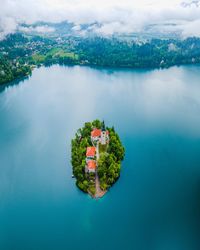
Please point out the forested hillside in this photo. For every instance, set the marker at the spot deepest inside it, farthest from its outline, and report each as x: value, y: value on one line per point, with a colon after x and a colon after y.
x: 19, y: 54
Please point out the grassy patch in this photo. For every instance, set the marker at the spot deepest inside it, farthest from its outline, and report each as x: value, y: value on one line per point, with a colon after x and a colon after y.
x: 38, y: 58
x: 102, y: 148
x: 58, y: 52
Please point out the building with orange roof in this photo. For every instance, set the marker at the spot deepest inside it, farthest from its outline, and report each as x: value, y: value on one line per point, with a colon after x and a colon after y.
x: 100, y: 135
x: 91, y: 166
x: 91, y: 151
x: 96, y: 133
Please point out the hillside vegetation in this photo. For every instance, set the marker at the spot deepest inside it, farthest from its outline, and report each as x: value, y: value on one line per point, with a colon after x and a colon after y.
x: 19, y: 54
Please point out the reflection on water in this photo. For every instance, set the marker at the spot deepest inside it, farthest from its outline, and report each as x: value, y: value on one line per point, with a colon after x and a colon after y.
x: 155, y: 203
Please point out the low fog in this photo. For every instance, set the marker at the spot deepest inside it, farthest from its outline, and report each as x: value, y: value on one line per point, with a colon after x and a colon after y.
x: 113, y: 16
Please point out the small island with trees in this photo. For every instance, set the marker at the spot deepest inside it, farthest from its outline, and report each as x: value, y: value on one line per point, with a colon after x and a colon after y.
x: 97, y: 153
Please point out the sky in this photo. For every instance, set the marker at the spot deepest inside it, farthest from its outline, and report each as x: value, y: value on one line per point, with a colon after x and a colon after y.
x: 122, y: 16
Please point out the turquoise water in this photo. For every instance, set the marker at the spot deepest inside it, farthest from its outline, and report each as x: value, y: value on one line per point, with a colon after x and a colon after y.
x: 155, y: 205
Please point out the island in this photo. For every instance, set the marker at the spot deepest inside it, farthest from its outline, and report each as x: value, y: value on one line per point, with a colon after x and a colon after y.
x: 96, y: 155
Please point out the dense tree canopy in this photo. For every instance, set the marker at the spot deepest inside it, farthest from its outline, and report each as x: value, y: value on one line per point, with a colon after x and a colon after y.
x: 109, y: 164
x: 19, y: 54
x: 10, y: 71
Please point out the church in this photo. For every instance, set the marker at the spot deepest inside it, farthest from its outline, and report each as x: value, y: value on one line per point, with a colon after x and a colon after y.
x: 100, y: 135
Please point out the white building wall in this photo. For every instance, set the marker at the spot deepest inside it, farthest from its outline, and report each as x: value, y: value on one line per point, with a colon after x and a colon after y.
x: 103, y: 137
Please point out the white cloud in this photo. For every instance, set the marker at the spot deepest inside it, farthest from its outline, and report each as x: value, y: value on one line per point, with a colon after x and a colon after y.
x: 37, y: 29
x: 114, y: 15
x: 192, y: 28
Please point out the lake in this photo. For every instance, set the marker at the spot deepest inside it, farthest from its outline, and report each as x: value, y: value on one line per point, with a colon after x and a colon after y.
x: 155, y: 205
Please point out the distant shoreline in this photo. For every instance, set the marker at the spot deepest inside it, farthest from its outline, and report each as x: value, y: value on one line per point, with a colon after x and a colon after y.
x: 19, y: 79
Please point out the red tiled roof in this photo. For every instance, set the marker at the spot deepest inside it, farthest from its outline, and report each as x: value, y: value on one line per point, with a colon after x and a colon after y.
x: 90, y: 151
x: 96, y: 132
x: 107, y: 132
x: 91, y: 164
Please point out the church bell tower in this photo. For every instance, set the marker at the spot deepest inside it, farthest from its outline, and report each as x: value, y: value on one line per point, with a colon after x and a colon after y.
x: 103, y: 134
